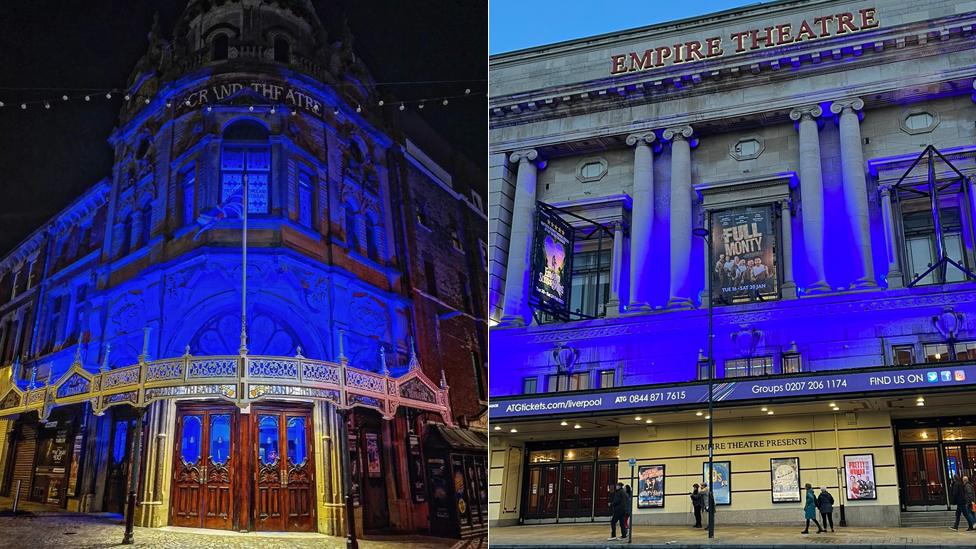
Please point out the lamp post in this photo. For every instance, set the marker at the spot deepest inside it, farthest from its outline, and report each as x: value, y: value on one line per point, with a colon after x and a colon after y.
x: 706, y: 236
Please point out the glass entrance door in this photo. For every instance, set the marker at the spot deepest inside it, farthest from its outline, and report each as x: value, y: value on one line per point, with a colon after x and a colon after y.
x: 960, y: 459
x: 284, y: 491
x: 203, y: 472
x: 541, y: 498
x: 576, y: 492
x: 921, y: 476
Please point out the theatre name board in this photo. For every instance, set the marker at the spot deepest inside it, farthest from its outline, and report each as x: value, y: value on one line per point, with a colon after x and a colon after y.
x: 740, y: 389
x: 677, y: 52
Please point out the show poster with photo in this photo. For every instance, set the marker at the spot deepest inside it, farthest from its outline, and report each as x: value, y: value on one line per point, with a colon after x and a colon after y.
x: 650, y: 486
x: 373, y: 465
x: 859, y: 470
x: 744, y: 254
x: 552, y: 262
x: 721, y: 484
x: 786, y: 479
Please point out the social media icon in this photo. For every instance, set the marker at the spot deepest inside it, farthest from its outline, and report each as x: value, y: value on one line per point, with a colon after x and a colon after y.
x: 960, y: 375
x: 933, y: 377
x: 946, y: 375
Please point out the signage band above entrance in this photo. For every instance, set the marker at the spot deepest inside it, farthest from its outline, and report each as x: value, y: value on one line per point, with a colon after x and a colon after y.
x: 822, y: 384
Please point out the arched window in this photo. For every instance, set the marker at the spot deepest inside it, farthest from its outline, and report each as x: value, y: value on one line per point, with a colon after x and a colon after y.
x: 352, y: 239
x: 282, y: 50
x: 372, y: 251
x: 220, y: 47
x: 245, y: 153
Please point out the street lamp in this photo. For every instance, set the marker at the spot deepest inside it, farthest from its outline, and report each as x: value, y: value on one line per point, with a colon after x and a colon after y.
x: 703, y: 233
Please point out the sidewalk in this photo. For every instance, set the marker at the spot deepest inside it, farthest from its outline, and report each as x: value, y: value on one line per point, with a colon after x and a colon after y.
x: 728, y: 537
x: 46, y: 526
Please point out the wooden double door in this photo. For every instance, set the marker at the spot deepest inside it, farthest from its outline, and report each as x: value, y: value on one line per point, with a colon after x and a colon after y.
x: 237, y: 471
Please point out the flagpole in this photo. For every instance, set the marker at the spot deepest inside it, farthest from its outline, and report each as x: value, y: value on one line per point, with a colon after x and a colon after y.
x: 243, y: 349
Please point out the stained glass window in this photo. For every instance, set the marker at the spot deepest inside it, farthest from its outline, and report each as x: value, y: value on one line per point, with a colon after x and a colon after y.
x: 190, y: 444
x: 219, y: 439
x: 296, y: 440
x: 268, y: 439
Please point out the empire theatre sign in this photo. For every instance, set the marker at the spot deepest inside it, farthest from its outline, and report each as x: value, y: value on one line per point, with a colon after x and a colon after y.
x: 746, y: 40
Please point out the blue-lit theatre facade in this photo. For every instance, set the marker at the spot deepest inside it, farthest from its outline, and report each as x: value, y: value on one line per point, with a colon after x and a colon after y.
x: 130, y: 299
x: 815, y: 160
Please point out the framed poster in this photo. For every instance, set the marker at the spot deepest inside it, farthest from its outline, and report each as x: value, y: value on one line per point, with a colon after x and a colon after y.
x: 650, y: 486
x: 785, y: 474
x: 721, y: 485
x: 552, y: 262
x: 373, y: 466
x: 416, y: 467
x: 859, y: 472
x: 743, y: 254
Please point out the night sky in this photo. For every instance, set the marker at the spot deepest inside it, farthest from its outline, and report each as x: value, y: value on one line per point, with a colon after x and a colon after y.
x: 49, y: 157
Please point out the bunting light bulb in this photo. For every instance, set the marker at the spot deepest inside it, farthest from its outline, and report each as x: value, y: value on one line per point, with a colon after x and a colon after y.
x: 87, y: 98
x: 64, y: 97
x: 108, y: 95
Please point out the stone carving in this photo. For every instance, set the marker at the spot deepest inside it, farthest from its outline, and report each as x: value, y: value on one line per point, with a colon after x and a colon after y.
x: 416, y: 390
x: 747, y: 340
x: 565, y: 357
x: 12, y: 400
x: 163, y: 370
x: 949, y: 323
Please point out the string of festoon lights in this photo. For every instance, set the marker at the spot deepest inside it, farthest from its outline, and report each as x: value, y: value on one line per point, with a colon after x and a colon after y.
x: 62, y: 96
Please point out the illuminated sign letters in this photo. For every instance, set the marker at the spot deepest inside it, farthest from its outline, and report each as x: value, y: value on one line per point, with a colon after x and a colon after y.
x: 746, y: 40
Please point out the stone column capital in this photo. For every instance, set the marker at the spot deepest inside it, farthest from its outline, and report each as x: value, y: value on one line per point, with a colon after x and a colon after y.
x: 677, y: 133
x: 884, y: 190
x: 855, y: 104
x: 811, y: 112
x: 641, y: 138
x: 524, y: 155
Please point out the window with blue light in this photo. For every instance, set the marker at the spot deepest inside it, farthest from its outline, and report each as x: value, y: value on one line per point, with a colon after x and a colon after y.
x: 219, y: 439
x: 268, y: 439
x: 118, y: 443
x: 189, y: 181
x: 305, y: 199
x: 190, y: 440
x: 920, y: 241
x: 296, y: 440
x: 371, y: 249
x: 245, y: 153
x: 352, y: 237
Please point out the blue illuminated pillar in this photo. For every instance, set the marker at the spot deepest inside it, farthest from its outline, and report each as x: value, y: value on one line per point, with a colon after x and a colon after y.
x: 520, y: 240
x: 811, y: 194
x: 680, y: 215
x: 895, y: 278
x: 641, y: 222
x: 855, y: 187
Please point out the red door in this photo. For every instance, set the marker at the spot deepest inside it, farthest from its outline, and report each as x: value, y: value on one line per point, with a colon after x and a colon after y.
x: 203, y: 472
x: 284, y: 479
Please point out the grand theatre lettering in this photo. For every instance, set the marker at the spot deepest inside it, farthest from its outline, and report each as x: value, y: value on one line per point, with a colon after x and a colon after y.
x: 746, y: 40
x: 273, y: 93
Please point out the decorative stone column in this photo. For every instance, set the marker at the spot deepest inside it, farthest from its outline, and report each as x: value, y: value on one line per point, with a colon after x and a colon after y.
x: 786, y: 223
x: 641, y: 222
x: 855, y: 187
x: 616, y: 266
x: 811, y: 194
x: 136, y: 237
x: 680, y: 215
x: 895, y: 277
x: 519, y: 266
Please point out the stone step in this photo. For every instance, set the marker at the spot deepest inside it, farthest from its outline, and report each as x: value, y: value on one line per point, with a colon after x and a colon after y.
x: 928, y: 519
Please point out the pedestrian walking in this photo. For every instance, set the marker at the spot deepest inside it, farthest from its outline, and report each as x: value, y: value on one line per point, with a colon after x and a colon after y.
x: 969, y: 497
x: 696, y: 504
x: 708, y: 502
x: 630, y: 506
x: 810, y: 510
x: 618, y: 512
x: 825, y: 502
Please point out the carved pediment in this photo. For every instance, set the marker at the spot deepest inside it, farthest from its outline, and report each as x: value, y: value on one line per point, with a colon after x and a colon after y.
x: 415, y: 389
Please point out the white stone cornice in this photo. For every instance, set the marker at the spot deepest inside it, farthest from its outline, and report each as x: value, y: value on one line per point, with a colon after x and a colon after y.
x: 524, y: 155
x: 854, y: 103
x: 677, y: 132
x: 642, y: 138
x: 811, y: 111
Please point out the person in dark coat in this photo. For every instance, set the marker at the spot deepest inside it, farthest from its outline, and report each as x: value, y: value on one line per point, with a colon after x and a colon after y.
x: 696, y: 504
x: 825, y: 502
x: 630, y: 507
x: 708, y: 500
x: 962, y: 495
x: 810, y: 510
x: 618, y: 510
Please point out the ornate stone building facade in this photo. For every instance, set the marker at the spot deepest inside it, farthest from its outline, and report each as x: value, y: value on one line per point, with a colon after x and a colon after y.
x: 131, y: 299
x: 782, y: 192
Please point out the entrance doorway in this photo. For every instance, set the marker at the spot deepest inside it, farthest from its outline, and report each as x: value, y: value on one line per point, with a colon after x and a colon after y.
x: 570, y: 481
x: 234, y: 471
x: 203, y: 472
x: 930, y: 453
x: 123, y: 421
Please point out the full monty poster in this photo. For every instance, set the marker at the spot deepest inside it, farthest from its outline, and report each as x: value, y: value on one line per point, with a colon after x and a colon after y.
x: 743, y: 254
x: 650, y: 486
x: 552, y: 262
x: 785, y: 473
x: 721, y: 484
x: 859, y: 471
